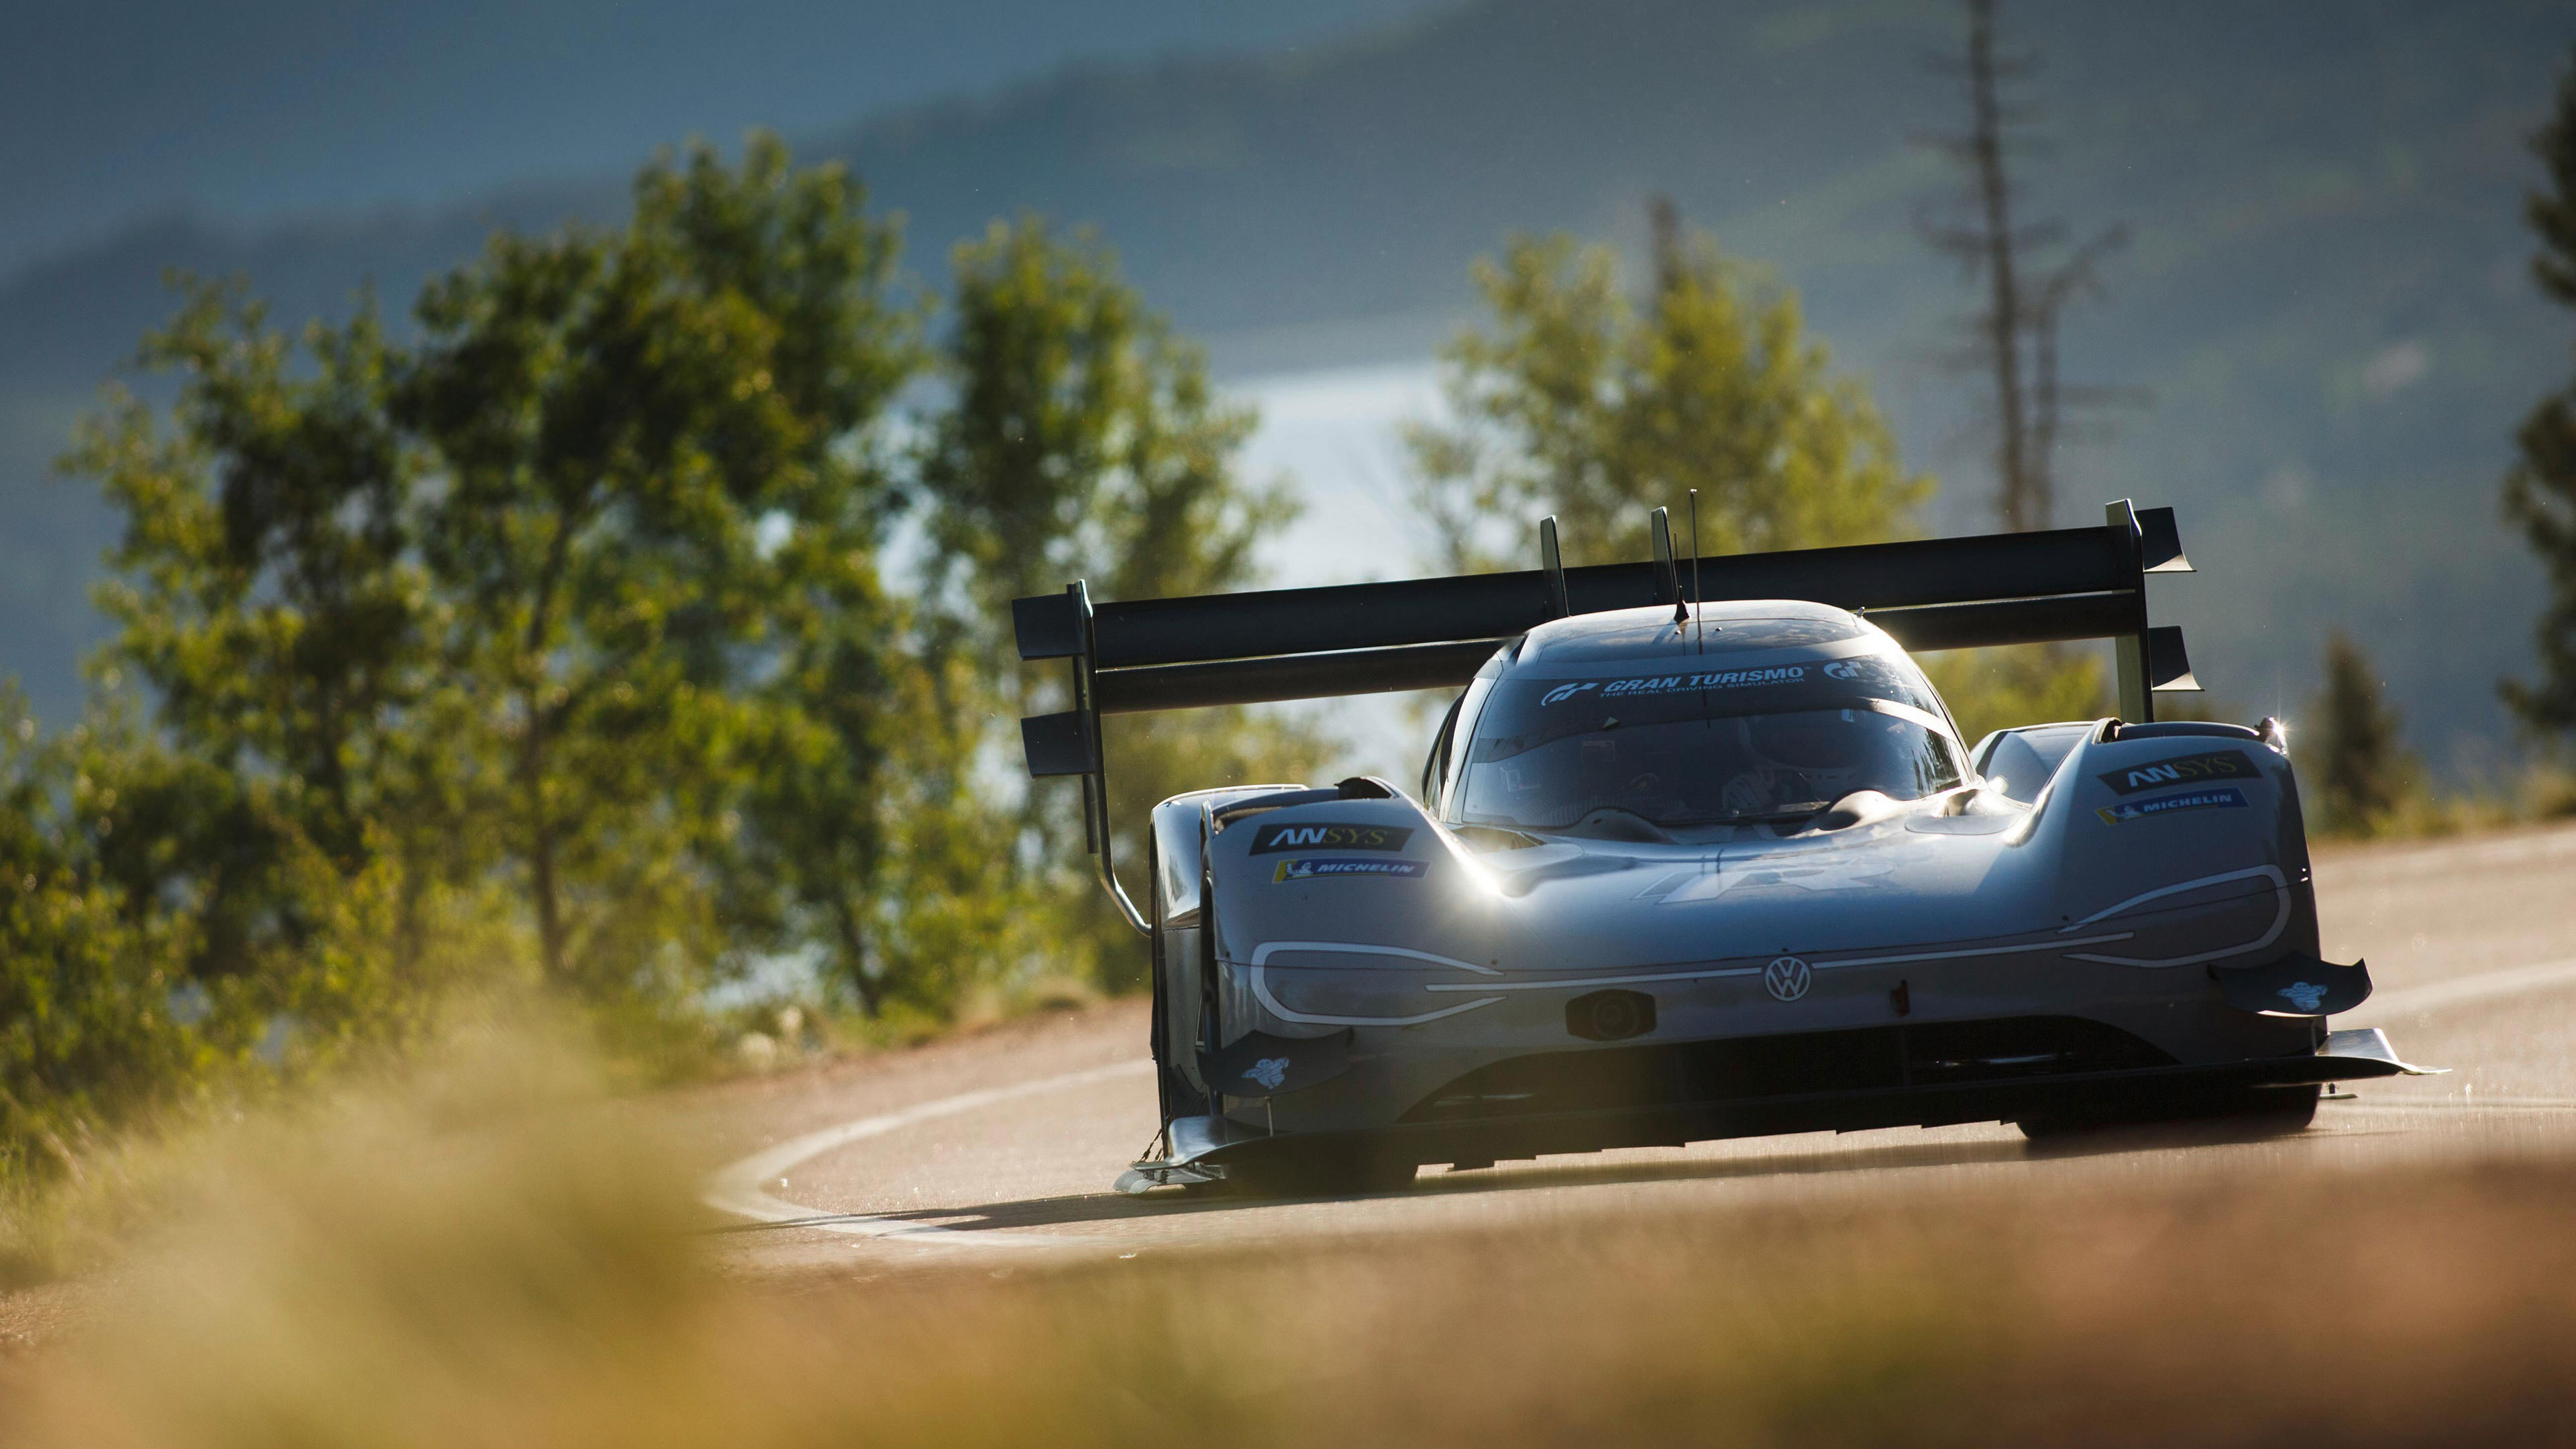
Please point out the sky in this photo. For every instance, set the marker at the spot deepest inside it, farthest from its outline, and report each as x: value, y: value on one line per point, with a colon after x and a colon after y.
x: 247, y: 111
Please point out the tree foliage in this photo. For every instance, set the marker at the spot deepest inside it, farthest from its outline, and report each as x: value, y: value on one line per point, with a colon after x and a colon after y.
x: 572, y: 591
x: 2540, y: 491
x: 547, y: 639
x: 82, y: 982
x: 1086, y: 442
x: 647, y: 510
x: 2362, y: 771
x: 1582, y: 402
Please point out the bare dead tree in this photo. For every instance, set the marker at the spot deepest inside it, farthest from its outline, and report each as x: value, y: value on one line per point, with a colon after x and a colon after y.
x: 2078, y: 278
x: 1664, y: 226
x: 2015, y: 336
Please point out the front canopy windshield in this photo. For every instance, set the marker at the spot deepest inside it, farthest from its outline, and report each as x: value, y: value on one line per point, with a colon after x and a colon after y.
x: 1704, y: 747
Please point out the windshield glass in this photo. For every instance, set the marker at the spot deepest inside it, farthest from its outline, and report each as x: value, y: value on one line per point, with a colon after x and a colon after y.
x: 1704, y: 747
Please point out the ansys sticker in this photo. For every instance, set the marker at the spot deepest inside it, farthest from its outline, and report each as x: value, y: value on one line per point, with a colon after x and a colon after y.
x: 1325, y: 835
x: 2182, y: 770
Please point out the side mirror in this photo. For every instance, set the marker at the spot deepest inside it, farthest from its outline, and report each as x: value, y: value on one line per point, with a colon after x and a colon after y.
x: 2274, y: 733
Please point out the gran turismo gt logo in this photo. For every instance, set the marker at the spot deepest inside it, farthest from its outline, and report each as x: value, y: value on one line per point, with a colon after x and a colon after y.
x: 1787, y: 978
x: 1269, y: 1072
x: 2305, y: 995
x: 1656, y: 685
x: 1842, y: 669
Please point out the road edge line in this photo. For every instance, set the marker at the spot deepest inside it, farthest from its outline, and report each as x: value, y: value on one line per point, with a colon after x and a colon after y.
x: 741, y: 1188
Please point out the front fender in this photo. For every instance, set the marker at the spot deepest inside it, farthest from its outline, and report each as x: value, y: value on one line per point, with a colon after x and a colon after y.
x: 2201, y: 828
x: 1182, y: 996
x: 1320, y: 905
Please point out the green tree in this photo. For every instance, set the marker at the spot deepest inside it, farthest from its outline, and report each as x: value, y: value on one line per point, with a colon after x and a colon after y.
x: 267, y: 593
x: 646, y: 497
x: 112, y: 1003
x: 2540, y: 492
x: 1581, y: 402
x: 1085, y: 441
x: 557, y: 618
x: 851, y: 799
x: 1993, y: 689
x: 83, y: 1029
x: 2362, y: 771
x: 576, y: 593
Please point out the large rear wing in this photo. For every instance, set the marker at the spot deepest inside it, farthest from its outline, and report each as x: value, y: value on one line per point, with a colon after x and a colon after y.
x: 1947, y: 593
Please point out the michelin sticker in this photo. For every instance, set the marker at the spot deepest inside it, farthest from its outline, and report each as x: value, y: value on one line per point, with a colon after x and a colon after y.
x: 1332, y: 869
x: 2305, y: 995
x: 2224, y: 798
x: 1269, y: 1072
x: 1660, y: 684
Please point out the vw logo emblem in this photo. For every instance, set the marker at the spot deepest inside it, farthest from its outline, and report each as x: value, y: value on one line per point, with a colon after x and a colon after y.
x: 1787, y: 978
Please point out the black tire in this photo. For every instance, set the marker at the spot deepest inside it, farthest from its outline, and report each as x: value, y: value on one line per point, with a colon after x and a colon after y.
x: 1177, y: 1097
x: 1317, y: 1174
x: 2241, y: 1116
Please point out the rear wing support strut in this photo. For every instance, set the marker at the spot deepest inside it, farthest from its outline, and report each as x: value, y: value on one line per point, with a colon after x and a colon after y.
x: 1069, y: 743
x: 2150, y: 661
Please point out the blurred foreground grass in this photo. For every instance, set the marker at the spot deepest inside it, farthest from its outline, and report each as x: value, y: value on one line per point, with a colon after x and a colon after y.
x: 490, y: 1253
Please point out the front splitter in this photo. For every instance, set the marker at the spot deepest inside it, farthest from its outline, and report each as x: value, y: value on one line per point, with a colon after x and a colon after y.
x: 1202, y: 1147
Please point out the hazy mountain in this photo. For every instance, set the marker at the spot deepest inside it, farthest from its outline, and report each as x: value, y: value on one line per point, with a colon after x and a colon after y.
x: 2325, y: 303
x: 252, y: 108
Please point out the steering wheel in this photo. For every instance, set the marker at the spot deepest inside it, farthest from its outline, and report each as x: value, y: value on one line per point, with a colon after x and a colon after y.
x: 1624, y: 824
x: 1750, y: 793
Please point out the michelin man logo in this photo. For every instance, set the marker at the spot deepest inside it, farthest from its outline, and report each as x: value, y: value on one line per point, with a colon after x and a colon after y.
x: 1564, y: 692
x: 2303, y: 995
x: 1269, y: 1072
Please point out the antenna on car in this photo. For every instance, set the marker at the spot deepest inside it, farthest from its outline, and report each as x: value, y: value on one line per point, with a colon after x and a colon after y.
x: 1699, y: 629
x: 1552, y: 564
x: 1667, y: 583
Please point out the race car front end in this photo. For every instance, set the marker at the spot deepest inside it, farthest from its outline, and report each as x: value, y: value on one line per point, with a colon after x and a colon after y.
x: 1458, y: 1004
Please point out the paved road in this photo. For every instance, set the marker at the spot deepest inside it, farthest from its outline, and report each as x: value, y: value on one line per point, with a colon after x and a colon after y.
x: 1005, y: 1144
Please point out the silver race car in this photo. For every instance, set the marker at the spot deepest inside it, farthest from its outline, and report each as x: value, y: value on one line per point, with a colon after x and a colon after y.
x: 1699, y: 853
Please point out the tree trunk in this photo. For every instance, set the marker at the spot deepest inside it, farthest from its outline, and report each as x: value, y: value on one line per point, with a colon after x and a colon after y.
x: 854, y: 950
x: 2015, y: 502
x: 542, y: 841
x: 532, y: 756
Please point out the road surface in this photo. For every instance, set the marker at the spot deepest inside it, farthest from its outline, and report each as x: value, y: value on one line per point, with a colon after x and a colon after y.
x: 1002, y: 1146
